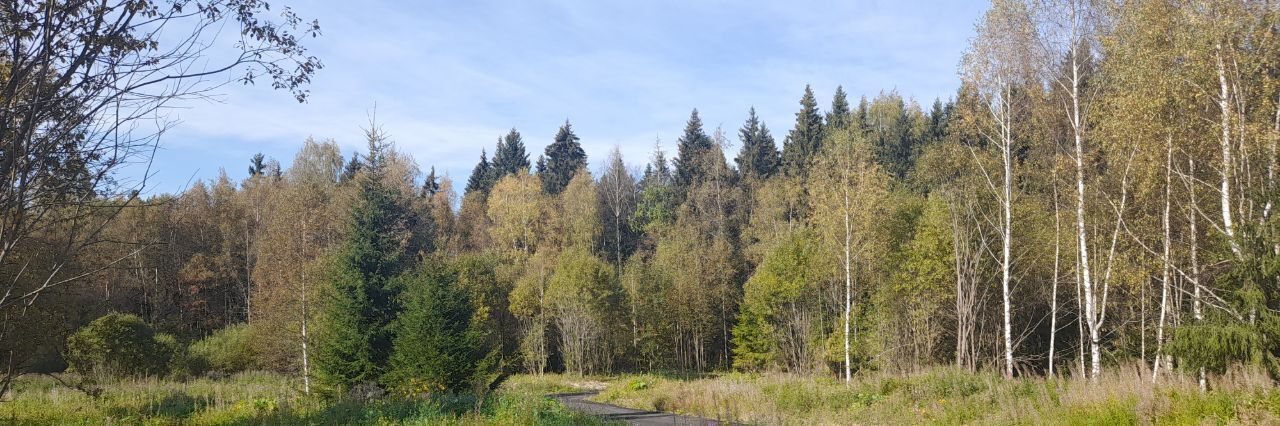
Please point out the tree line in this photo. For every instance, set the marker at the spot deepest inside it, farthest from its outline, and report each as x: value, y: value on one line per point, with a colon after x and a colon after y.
x: 1100, y: 190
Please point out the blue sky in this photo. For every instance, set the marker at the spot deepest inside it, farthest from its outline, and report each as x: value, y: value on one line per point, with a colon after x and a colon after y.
x: 449, y: 77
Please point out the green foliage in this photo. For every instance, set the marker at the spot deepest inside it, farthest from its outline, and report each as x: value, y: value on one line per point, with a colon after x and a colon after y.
x: 353, y: 340
x: 805, y: 140
x: 229, y: 350
x: 563, y: 158
x: 483, y: 176
x: 257, y: 399
x: 437, y: 346
x: 119, y: 345
x: 782, y: 284
x: 510, y: 157
x: 691, y: 146
x: 759, y: 156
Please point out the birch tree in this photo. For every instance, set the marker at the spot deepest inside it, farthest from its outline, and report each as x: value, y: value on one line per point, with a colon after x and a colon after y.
x: 996, y: 67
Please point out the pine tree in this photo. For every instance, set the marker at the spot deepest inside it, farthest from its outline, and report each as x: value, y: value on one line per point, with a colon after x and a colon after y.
x: 482, y: 176
x: 563, y: 158
x: 759, y: 156
x: 354, y: 339
x: 840, y: 114
x: 510, y: 157
x: 690, y: 148
x: 805, y: 139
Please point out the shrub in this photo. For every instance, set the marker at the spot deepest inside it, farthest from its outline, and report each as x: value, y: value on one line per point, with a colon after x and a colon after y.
x: 227, y: 351
x: 117, y: 345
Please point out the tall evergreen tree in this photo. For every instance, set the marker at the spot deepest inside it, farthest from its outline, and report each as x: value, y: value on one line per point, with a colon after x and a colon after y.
x: 563, y: 158
x: 354, y: 339
x: 257, y: 166
x: 482, y: 176
x: 690, y: 147
x: 430, y: 185
x: 510, y: 157
x: 352, y: 169
x: 840, y: 115
x: 759, y: 156
x: 805, y: 139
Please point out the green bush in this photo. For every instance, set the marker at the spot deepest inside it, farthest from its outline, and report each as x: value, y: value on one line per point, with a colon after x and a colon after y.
x: 229, y: 350
x: 118, y: 345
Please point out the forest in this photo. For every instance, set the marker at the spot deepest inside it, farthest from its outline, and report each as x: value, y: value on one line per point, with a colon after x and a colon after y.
x: 1098, y: 193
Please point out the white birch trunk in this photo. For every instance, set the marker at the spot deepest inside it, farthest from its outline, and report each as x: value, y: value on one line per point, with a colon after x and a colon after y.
x: 1224, y: 105
x: 848, y: 283
x: 1165, y: 273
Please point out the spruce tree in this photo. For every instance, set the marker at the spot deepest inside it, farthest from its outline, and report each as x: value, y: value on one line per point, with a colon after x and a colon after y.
x: 759, y: 156
x: 689, y: 150
x: 482, y: 176
x: 354, y: 340
x: 840, y: 115
x: 430, y: 185
x: 352, y: 168
x: 257, y: 167
x: 510, y: 157
x: 563, y: 158
x: 437, y: 344
x: 805, y: 140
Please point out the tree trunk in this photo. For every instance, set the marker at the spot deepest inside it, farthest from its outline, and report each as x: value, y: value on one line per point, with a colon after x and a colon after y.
x: 1165, y: 273
x: 1227, y: 161
x: 848, y: 285
x: 1057, y: 254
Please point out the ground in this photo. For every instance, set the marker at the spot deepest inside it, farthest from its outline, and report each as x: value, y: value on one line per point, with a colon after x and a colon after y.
x: 935, y: 396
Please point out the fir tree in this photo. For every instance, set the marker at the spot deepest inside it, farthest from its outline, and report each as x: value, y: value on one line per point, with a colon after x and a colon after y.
x: 430, y: 185
x: 510, y: 157
x: 352, y: 169
x: 256, y: 165
x: 354, y: 340
x: 482, y: 176
x: 563, y: 158
x: 690, y: 148
x: 805, y: 140
x: 437, y: 345
x: 840, y: 115
x: 759, y: 156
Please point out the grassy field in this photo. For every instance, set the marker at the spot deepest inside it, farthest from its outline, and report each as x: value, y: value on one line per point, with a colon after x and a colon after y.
x: 259, y: 398
x: 938, y: 396
x: 943, y: 396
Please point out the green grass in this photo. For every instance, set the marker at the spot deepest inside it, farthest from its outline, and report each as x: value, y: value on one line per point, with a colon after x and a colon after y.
x: 947, y: 396
x: 260, y: 398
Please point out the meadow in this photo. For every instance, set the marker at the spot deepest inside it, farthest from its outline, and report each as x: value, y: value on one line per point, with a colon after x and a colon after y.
x: 263, y: 398
x: 1122, y: 396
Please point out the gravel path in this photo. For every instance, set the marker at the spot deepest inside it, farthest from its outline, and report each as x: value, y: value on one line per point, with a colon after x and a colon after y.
x: 578, y: 402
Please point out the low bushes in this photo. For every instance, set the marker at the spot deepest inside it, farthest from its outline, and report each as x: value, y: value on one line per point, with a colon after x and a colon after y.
x: 118, y: 345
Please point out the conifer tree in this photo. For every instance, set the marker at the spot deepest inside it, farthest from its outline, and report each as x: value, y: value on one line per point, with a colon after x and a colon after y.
x: 430, y: 185
x: 482, y: 176
x: 805, y: 139
x: 510, y: 157
x: 759, y: 156
x: 840, y: 114
x: 352, y: 168
x: 354, y: 339
x: 256, y: 165
x: 690, y: 147
x: 563, y: 158
x: 437, y: 346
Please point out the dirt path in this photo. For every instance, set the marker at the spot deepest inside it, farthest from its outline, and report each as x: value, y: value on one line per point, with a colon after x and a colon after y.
x: 578, y: 402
